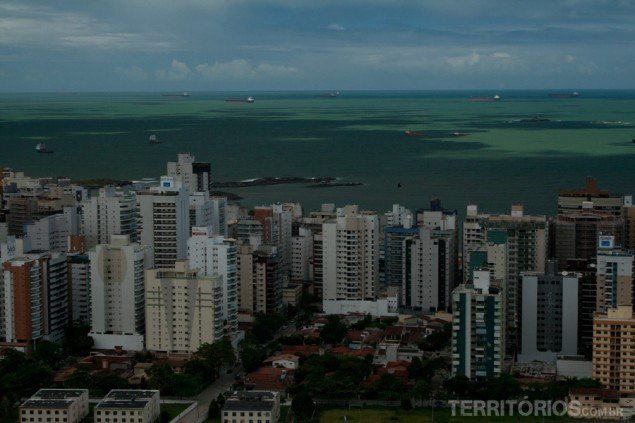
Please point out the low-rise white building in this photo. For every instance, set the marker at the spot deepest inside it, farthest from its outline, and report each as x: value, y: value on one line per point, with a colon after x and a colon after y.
x: 127, y: 406
x: 55, y: 406
x: 252, y: 406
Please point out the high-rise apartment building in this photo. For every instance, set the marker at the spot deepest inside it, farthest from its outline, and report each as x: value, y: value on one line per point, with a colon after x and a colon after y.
x: 260, y: 279
x: 183, y: 309
x: 350, y: 249
x: 164, y: 221
x: 111, y: 212
x: 477, y: 333
x: 394, y: 251
x: 549, y: 324
x: 215, y: 255
x: 399, y: 216
x: 512, y: 244
x: 195, y: 176
x: 431, y: 277
x: 48, y: 234
x: 276, y: 229
x: 35, y: 295
x: 628, y: 216
x: 589, y: 199
x: 117, y: 293
x: 575, y: 235
x: 79, y: 286
x: 614, y: 276
x: 614, y: 349
x: 301, y: 254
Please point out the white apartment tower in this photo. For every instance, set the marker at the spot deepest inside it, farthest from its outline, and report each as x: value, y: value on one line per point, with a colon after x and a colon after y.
x: 215, y: 255
x: 48, y: 234
x: 195, y: 176
x: 182, y: 309
x: 112, y: 212
x: 301, y: 254
x: 164, y: 221
x: 431, y: 278
x: 399, y: 216
x: 117, y: 293
x: 350, y: 248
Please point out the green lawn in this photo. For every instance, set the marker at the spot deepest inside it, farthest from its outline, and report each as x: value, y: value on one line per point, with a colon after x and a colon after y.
x: 414, y: 416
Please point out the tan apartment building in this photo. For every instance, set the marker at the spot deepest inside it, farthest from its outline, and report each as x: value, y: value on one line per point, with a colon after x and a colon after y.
x: 614, y: 349
x: 182, y: 306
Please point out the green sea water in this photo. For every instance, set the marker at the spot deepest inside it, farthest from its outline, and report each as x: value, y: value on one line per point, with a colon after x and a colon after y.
x: 358, y: 137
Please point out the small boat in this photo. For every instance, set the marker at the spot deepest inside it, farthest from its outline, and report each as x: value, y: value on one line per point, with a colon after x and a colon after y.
x: 459, y: 134
x: 41, y: 148
x: 413, y: 133
x: 153, y: 139
x: 633, y: 140
x: 249, y: 100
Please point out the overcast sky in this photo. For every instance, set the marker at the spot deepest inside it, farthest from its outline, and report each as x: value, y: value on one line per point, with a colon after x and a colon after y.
x: 123, y: 45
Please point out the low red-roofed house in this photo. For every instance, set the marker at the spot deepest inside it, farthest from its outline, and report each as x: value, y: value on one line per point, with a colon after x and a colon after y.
x: 305, y: 350
x: 270, y: 379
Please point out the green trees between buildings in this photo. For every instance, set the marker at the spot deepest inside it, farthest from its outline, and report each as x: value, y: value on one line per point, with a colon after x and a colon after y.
x: 200, y: 371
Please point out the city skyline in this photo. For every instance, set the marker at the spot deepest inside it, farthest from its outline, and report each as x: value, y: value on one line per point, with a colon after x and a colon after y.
x: 283, y: 45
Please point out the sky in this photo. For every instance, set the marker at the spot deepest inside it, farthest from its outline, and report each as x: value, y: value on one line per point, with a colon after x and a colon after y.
x: 221, y: 45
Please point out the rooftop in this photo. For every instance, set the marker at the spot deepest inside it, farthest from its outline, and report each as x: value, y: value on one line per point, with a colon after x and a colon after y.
x: 130, y: 394
x: 59, y: 393
x: 47, y: 403
x: 134, y: 404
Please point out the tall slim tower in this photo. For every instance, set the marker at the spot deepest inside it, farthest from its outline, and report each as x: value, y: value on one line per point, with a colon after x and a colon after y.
x: 164, y: 221
x: 350, y: 249
x: 117, y: 293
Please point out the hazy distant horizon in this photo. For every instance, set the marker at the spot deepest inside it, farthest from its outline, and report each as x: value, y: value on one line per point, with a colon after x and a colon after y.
x: 343, y: 91
x: 248, y: 45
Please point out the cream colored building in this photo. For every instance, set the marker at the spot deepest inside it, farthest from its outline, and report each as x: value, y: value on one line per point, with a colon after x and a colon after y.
x: 252, y: 407
x: 182, y: 307
x: 350, y: 245
x: 127, y: 406
x: 614, y: 349
x: 117, y: 302
x: 55, y: 406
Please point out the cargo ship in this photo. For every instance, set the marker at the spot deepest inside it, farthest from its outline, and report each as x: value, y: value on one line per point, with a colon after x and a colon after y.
x: 485, y: 99
x: 183, y: 94
x: 564, y: 95
x: 249, y: 100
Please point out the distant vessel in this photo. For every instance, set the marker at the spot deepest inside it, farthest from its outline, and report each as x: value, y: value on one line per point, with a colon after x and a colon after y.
x: 333, y: 94
x: 485, y: 99
x: 459, y: 134
x: 249, y: 100
x: 564, y: 95
x: 536, y: 119
x: 153, y: 139
x: 413, y: 133
x: 41, y: 148
x: 183, y: 94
